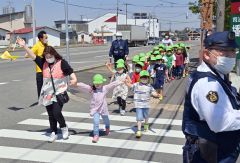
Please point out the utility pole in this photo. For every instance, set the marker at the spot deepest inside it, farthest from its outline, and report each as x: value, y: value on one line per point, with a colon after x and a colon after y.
x: 66, y: 30
x: 81, y: 17
x: 149, y: 21
x: 34, y: 22
x: 117, y: 15
x: 220, y: 15
x: 126, y: 11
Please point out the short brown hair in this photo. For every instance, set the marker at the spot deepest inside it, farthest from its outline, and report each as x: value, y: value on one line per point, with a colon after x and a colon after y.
x: 52, y: 51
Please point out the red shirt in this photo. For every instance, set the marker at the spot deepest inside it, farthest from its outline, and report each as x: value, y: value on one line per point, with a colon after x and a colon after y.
x: 135, y: 77
x: 145, y: 65
x: 179, y: 59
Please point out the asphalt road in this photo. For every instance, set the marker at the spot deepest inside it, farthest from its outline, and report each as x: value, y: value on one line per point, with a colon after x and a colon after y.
x: 23, y: 127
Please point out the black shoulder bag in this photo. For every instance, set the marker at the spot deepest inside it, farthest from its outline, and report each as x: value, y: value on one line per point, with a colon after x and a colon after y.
x: 62, y: 98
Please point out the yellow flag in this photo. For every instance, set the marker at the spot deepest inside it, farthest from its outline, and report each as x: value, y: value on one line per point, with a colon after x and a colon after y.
x: 7, y: 55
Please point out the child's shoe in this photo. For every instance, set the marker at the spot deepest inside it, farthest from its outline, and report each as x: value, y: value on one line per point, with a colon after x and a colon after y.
x: 138, y: 134
x: 107, y: 131
x: 95, y: 139
x: 172, y: 78
x: 146, y: 127
x: 184, y: 76
x: 52, y: 137
x: 122, y: 112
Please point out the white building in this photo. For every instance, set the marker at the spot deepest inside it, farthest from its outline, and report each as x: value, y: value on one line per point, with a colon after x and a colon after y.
x: 108, y: 23
x: 27, y: 35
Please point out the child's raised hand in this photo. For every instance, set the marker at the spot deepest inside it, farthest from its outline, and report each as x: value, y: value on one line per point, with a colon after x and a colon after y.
x: 20, y: 42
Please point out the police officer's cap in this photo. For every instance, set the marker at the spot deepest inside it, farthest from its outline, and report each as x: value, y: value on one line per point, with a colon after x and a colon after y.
x: 224, y: 39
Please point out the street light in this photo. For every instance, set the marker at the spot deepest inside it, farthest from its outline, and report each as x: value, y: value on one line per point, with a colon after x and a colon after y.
x: 34, y: 22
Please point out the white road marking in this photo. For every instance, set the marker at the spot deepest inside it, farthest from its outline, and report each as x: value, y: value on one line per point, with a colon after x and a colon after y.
x: 125, y: 118
x: 104, y: 142
x: 118, y: 129
x: 3, y: 83
x: 58, y: 156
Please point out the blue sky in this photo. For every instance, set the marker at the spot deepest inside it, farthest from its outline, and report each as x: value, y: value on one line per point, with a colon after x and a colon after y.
x: 47, y: 11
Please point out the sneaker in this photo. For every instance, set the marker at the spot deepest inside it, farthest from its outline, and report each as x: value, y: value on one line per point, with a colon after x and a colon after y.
x: 184, y: 76
x: 52, y: 137
x: 161, y: 98
x: 95, y: 139
x: 138, y: 134
x: 65, y: 133
x: 172, y: 78
x: 146, y: 127
x: 122, y: 112
x: 107, y: 131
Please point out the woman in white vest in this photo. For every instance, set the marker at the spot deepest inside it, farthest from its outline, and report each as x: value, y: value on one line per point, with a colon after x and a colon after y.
x: 53, y: 93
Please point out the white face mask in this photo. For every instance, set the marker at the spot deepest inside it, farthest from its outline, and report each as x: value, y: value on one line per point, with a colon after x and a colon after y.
x: 51, y: 60
x: 144, y: 81
x: 45, y: 41
x: 119, y: 38
x: 225, y: 64
x: 138, y: 70
x: 120, y: 71
x: 166, y: 37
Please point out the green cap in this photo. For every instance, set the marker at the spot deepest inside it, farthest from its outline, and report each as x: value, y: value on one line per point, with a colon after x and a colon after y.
x: 161, y: 49
x: 169, y: 49
x: 155, y: 48
x: 161, y: 46
x: 144, y: 73
x: 158, y: 57
x: 120, y: 65
x: 156, y: 53
x: 98, y: 79
x: 136, y: 58
x: 140, y: 63
x: 142, y: 59
x: 182, y: 45
x: 120, y: 61
x: 175, y: 46
x: 148, y: 53
x: 153, y: 58
x: 142, y: 55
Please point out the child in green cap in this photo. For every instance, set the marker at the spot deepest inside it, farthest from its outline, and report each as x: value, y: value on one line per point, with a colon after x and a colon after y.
x: 120, y: 92
x: 136, y: 74
x: 170, y: 62
x: 142, y: 92
x: 98, y: 104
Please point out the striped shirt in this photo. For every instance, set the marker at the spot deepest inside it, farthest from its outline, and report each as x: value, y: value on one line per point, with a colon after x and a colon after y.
x: 142, y: 94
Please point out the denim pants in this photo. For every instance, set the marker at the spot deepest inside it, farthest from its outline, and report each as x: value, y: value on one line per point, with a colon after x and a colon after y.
x: 96, y: 121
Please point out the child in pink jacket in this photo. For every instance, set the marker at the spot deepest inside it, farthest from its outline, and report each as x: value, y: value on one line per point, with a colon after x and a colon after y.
x: 98, y: 104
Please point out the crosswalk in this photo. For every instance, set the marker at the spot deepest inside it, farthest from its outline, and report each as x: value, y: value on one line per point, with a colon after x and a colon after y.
x: 120, y: 146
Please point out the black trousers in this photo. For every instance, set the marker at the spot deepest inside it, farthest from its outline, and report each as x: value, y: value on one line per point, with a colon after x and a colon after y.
x: 55, y: 115
x: 39, y: 79
x: 121, y: 102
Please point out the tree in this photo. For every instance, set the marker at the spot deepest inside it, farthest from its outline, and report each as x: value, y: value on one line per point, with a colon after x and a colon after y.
x: 194, y: 7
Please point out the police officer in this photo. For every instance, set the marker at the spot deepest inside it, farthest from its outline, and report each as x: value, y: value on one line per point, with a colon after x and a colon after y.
x: 211, y: 117
x: 119, y: 49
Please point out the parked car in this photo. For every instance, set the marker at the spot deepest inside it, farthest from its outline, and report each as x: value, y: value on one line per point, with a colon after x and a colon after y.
x: 153, y: 41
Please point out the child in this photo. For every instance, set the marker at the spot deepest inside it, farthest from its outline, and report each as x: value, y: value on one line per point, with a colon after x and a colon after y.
x: 98, y: 104
x: 150, y: 68
x: 170, y: 62
x: 179, y: 62
x: 160, y: 70
x: 186, y: 61
x: 142, y: 91
x: 120, y: 92
x: 136, y: 74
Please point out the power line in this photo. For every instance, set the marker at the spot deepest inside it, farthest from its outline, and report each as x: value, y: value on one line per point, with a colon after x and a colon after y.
x: 169, y: 2
x: 87, y: 7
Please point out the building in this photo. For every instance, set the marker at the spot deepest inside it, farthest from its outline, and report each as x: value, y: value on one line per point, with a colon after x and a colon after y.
x: 104, y: 27
x: 12, y: 20
x: 27, y: 35
x: 4, y: 42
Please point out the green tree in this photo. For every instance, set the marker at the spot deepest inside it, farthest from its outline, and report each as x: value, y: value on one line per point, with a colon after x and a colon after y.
x: 194, y: 7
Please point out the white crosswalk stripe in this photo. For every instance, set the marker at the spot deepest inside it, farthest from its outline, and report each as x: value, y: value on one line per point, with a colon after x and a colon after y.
x: 27, y: 153
x: 124, y: 119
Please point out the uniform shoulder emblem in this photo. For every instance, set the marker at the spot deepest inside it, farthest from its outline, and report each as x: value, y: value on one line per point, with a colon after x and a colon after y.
x: 212, y: 96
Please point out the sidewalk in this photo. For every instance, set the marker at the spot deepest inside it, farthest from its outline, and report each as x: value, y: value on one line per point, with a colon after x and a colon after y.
x: 235, y: 79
